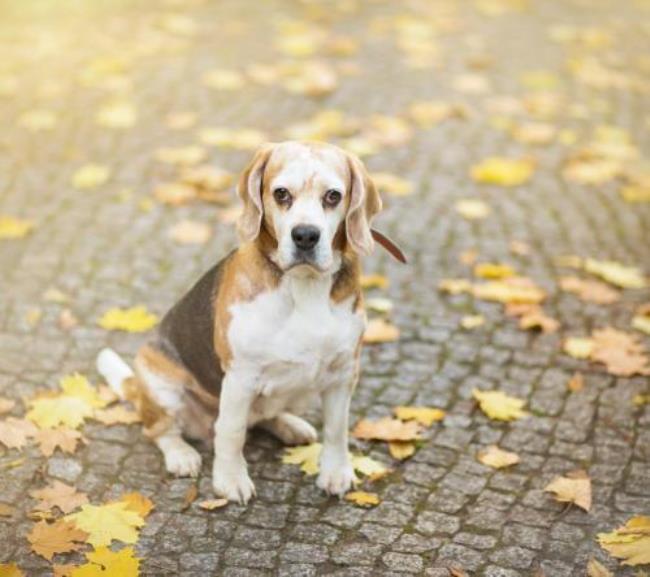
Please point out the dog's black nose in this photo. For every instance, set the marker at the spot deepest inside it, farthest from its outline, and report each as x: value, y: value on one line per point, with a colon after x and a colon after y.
x: 305, y: 236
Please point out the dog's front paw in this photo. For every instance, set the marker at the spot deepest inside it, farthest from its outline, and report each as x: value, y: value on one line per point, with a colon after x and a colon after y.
x: 336, y: 480
x: 232, y: 482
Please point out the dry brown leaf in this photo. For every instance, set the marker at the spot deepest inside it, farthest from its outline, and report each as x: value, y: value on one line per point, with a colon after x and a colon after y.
x: 589, y: 291
x: 380, y: 331
x: 138, y: 503
x: 119, y: 415
x: 576, y: 383
x: 574, y: 488
x: 6, y: 405
x: 212, y: 504
x: 387, y: 429
x: 620, y: 352
x: 61, y: 536
x: 497, y: 458
x: 401, y: 450
x: 174, y: 193
x: 62, y: 437
x: 190, y: 496
x: 58, y: 494
x: 15, y: 432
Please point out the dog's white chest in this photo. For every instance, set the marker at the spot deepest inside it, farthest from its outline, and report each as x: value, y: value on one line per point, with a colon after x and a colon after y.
x: 293, y: 341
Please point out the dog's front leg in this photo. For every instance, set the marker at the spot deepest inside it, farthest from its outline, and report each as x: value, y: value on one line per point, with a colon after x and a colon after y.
x: 230, y: 473
x: 336, y: 473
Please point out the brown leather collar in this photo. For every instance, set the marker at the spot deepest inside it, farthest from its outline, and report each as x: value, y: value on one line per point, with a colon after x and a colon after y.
x: 389, y: 245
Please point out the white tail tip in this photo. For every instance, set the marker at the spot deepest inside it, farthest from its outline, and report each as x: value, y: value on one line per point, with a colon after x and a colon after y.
x: 111, y: 366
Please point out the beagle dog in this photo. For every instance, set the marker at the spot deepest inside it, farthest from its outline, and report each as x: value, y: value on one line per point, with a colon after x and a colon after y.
x: 274, y: 325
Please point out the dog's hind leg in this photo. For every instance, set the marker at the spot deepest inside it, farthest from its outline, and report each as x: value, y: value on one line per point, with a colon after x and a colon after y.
x: 161, y: 403
x: 290, y: 429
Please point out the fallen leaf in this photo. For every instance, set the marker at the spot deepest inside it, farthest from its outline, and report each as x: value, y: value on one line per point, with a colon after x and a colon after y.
x: 374, y: 281
x: 503, y: 171
x: 401, y: 450
x: 119, y: 415
x: 190, y: 232
x: 499, y: 406
x: 15, y: 432
x: 175, y: 193
x: 212, y: 504
x: 387, y: 429
x: 14, y: 228
x: 472, y: 209
x: 63, y: 438
x: 118, y: 115
x: 576, y: 383
x: 495, y: 271
x: 10, y: 570
x: 103, y: 523
x: 58, y: 494
x: 615, y: 273
x: 426, y: 416
x: 574, y: 488
x: 6, y: 405
x: 138, y: 503
x: 369, y: 467
x: 133, y: 320
x: 640, y: 400
x: 519, y: 248
x: 535, y: 133
x: 362, y: 499
x: 620, y: 352
x: 182, y: 155
x: 392, y: 184
x: 641, y: 319
x: 380, y: 331
x: 631, y: 542
x: 589, y: 291
x: 470, y: 322
x: 578, y: 347
x: 379, y: 305
x: 427, y: 114
x: 596, y: 569
x: 537, y: 319
x: 102, y: 562
x: 190, y: 496
x: 61, y: 536
x: 493, y: 456
x: 510, y: 290
x: 306, y: 456
x: 90, y: 176
x: 455, y: 286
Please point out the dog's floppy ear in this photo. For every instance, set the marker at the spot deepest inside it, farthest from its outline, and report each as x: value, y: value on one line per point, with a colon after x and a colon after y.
x: 365, y: 203
x: 249, y: 190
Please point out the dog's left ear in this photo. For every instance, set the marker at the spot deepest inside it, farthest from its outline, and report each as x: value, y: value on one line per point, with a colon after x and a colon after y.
x: 365, y: 203
x: 249, y: 190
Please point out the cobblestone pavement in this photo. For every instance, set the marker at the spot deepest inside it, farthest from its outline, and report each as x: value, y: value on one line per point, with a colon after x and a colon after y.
x: 109, y: 246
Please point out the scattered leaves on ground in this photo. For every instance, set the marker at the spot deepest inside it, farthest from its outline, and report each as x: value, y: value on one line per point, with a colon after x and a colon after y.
x: 14, y: 433
x: 102, y: 562
x: 58, y: 494
x: 103, y: 523
x: 426, y: 416
x: 387, y: 429
x: 362, y: 499
x: 630, y: 543
x: 49, y: 539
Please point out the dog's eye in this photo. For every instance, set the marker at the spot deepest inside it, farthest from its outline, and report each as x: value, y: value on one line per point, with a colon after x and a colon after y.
x: 282, y: 196
x: 332, y: 198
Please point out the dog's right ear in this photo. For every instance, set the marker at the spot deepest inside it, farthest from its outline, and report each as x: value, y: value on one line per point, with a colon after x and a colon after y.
x: 249, y: 190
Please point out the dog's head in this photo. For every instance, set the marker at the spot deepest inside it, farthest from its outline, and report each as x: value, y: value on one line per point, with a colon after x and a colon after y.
x: 314, y: 200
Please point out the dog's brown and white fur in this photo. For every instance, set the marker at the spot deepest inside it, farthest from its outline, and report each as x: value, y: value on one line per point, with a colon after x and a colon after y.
x: 274, y: 325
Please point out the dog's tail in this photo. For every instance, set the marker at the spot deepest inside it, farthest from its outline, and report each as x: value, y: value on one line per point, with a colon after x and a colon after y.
x: 113, y: 368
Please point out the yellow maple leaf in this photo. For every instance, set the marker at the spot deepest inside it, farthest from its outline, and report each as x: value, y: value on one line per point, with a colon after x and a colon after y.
x: 615, y: 273
x: 362, y: 499
x: 76, y: 402
x: 499, y: 406
x: 133, y: 320
x: 12, y: 227
x: 138, y: 503
x: 90, y: 176
x: 574, y: 488
x: 103, y: 523
x: 497, y: 458
x: 308, y: 456
x: 503, y: 171
x: 103, y: 562
x: 631, y: 543
x: 424, y: 415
